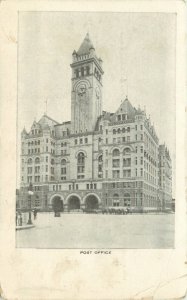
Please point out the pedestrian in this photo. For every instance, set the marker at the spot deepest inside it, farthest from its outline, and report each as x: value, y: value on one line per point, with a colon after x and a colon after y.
x: 35, y: 214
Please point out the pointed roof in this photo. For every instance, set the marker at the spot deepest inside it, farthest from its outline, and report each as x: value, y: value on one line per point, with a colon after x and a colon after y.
x: 126, y: 108
x: 85, y: 46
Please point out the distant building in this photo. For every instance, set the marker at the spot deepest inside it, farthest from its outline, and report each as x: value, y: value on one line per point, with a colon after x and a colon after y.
x: 165, y: 177
x: 98, y: 159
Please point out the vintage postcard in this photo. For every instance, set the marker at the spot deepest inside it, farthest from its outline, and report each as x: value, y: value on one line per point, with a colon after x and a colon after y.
x: 93, y: 123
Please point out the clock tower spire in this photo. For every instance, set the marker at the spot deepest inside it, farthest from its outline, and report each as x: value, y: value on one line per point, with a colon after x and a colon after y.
x: 86, y: 94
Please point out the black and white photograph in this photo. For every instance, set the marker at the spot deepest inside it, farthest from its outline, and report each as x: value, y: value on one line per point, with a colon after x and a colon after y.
x: 96, y: 130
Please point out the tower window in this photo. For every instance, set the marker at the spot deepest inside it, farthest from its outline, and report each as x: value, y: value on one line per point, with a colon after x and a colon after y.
x: 82, y: 71
x: 77, y: 73
x: 87, y: 70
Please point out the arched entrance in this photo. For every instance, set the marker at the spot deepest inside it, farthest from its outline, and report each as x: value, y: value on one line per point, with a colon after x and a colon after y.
x: 91, y: 202
x: 73, y: 203
x: 57, y: 204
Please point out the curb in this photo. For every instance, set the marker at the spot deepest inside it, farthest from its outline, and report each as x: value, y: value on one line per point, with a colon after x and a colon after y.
x: 24, y: 227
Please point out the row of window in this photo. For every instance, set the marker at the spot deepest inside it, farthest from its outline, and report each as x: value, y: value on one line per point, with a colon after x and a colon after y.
x: 135, y: 184
x: 37, y: 160
x: 82, y: 71
x: 81, y: 141
x: 123, y: 130
x: 126, y: 173
x: 36, y: 150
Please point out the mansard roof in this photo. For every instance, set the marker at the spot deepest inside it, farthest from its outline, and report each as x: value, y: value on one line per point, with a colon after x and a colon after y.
x: 125, y: 108
x: 85, y: 46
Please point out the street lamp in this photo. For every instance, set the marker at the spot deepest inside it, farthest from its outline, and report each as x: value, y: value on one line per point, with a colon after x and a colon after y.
x: 30, y: 193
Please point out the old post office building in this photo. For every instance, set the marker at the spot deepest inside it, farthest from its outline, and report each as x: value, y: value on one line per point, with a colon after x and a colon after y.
x: 98, y: 159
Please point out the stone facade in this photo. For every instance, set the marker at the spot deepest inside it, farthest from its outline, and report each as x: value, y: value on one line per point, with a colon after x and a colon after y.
x: 98, y: 159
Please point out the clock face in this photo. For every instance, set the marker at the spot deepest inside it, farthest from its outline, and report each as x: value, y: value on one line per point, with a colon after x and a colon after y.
x: 81, y: 89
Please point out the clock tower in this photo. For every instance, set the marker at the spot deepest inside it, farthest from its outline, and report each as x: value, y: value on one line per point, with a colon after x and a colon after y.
x: 86, y: 94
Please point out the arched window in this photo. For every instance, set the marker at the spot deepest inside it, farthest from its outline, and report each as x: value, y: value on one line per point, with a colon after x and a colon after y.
x: 119, y: 130
x: 115, y: 200
x: 35, y: 142
x: 115, y: 152
x: 30, y: 161
x: 63, y: 162
x: 123, y: 130
x: 52, y: 161
x: 28, y: 143
x: 80, y: 165
x: 37, y: 160
x: 126, y: 151
x: 114, y: 131
x: 128, y: 129
x: 100, y: 166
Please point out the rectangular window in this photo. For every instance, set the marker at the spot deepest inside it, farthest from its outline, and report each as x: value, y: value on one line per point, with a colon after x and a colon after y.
x: 86, y: 140
x: 80, y: 141
x: 75, y: 141
x: 115, y: 163
x: 77, y: 187
x: 87, y: 186
x: 116, y: 173
x: 106, y: 174
x: 141, y: 137
x: 63, y: 170
x: 95, y: 186
x: 106, y: 131
x: 114, y: 140
x: 80, y: 169
x: 135, y: 127
x: 119, y: 140
x: 123, y: 139
x: 126, y: 162
x: 119, y: 117
x: 126, y: 173
x: 46, y: 168
x: 106, y: 141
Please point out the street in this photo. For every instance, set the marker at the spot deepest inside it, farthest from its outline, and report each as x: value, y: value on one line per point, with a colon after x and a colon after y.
x: 99, y: 231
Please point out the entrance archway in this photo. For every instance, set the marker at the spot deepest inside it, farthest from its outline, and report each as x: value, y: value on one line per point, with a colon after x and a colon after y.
x: 57, y: 204
x: 73, y: 203
x: 91, y: 202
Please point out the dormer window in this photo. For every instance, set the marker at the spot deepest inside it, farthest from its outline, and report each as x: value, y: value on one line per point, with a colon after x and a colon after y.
x: 124, y: 116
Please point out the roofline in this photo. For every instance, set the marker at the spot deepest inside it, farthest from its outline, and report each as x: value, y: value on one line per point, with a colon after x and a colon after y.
x: 49, y: 119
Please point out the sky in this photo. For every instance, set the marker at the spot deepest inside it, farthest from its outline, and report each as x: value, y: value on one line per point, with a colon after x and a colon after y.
x: 136, y: 46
